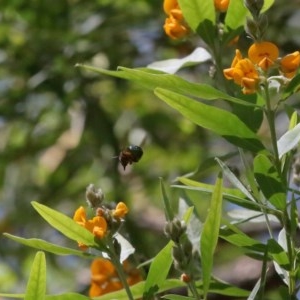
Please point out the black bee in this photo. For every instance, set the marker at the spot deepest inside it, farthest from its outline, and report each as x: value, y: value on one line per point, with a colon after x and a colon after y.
x: 130, y: 155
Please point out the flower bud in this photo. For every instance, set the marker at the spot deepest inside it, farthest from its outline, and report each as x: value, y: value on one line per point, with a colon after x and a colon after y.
x: 254, y: 6
x: 93, y: 196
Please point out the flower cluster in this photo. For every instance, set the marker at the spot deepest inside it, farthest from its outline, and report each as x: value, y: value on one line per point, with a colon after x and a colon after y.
x: 175, y: 26
x: 105, y: 220
x: 262, y: 58
x: 105, y: 279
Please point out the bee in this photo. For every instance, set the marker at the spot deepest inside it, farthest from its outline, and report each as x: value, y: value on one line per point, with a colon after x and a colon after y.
x: 130, y: 155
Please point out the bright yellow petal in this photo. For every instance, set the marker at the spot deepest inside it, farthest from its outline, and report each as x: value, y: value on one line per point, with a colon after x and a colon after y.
x: 121, y: 210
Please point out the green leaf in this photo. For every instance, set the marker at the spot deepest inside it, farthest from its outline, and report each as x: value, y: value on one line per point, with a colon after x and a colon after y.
x: 65, y: 225
x: 278, y: 254
x: 137, y: 290
x: 289, y: 140
x: 212, y: 118
x: 36, y: 286
x: 240, y: 239
x: 67, y: 296
x: 269, y: 181
x: 177, y: 297
x: 210, y: 234
x: 18, y: 296
x: 292, y: 88
x: 223, y: 288
x: 234, y: 196
x: 234, y: 180
x: 46, y: 246
x: 167, y: 206
x: 201, y: 17
x: 152, y: 79
x: 234, y: 20
x: 158, y: 271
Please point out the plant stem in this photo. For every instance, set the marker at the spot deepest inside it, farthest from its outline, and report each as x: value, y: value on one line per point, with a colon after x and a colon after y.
x: 119, y: 267
x: 270, y: 114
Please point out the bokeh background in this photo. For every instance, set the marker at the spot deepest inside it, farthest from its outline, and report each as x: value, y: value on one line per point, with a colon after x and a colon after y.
x: 61, y: 128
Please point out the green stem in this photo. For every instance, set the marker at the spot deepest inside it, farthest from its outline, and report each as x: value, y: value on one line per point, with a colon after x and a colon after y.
x: 270, y: 114
x: 119, y: 267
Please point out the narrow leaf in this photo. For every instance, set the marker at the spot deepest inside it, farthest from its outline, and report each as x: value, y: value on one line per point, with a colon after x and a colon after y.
x: 278, y: 254
x: 137, y: 290
x: 234, y: 180
x: 152, y: 79
x: 217, y: 120
x: 65, y: 225
x: 269, y: 181
x: 210, y: 234
x: 67, y: 296
x: 200, y: 15
x: 159, y: 270
x: 167, y: 205
x: 289, y: 140
x: 46, y: 246
x: 36, y: 286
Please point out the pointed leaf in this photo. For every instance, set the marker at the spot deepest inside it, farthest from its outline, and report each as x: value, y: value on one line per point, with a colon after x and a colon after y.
x: 278, y: 254
x: 36, y: 286
x: 67, y: 296
x: 234, y: 180
x: 46, y: 246
x: 159, y: 270
x: 289, y: 140
x: 65, y: 225
x: 200, y: 15
x: 240, y: 239
x: 210, y: 234
x: 212, y: 118
x: 269, y: 181
x: 137, y: 290
x: 151, y: 79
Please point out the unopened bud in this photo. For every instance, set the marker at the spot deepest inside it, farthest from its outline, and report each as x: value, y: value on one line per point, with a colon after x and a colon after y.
x: 185, y: 278
x: 93, y: 196
x: 254, y: 6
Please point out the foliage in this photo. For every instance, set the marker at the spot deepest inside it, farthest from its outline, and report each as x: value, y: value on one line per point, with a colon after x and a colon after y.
x: 238, y: 106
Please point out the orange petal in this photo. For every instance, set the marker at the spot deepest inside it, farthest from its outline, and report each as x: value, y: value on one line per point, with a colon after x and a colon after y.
x: 258, y: 51
x: 80, y: 216
x: 121, y: 210
x: 169, y: 5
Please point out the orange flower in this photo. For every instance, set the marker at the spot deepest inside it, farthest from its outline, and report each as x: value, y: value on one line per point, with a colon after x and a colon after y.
x: 121, y: 210
x: 221, y: 5
x: 289, y: 64
x: 97, y: 225
x: 169, y: 5
x: 263, y: 54
x: 174, y: 28
x: 104, y: 278
x: 243, y: 73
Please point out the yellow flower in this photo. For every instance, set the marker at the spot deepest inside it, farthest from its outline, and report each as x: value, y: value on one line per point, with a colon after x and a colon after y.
x: 120, y: 211
x: 289, y: 64
x: 243, y: 73
x: 221, y: 5
x: 97, y: 225
x: 104, y: 278
x: 263, y: 54
x: 170, y: 5
x: 174, y: 27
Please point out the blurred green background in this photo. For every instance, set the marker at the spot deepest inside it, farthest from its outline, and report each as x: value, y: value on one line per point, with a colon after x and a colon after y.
x: 61, y: 128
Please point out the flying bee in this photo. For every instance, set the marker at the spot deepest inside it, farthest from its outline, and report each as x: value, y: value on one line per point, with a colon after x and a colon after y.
x: 130, y: 155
